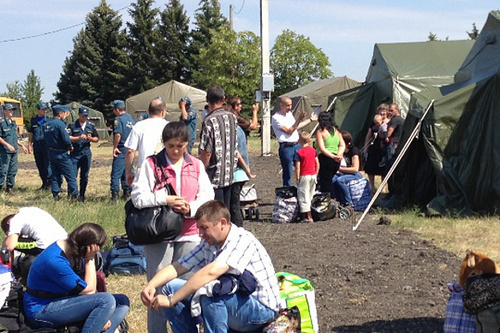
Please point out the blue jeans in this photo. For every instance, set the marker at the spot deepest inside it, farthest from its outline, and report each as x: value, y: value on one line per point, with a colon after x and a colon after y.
x: 287, y: 153
x: 340, y: 186
x: 228, y: 313
x: 95, y: 310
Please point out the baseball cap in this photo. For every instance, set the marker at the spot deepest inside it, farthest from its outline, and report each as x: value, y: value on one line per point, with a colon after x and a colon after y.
x: 118, y: 104
x: 84, y: 111
x: 8, y: 106
x: 58, y: 108
x: 41, y: 106
x: 187, y: 100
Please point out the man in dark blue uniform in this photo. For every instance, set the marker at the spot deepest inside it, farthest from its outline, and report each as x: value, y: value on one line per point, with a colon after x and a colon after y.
x: 122, y: 126
x: 9, y: 142
x: 38, y: 146
x: 81, y: 134
x: 188, y: 116
x: 59, y: 144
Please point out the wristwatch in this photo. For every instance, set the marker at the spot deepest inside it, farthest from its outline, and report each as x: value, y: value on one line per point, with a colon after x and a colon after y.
x: 169, y: 297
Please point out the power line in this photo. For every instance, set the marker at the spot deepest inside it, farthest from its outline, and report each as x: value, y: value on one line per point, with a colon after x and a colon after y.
x: 241, y: 8
x: 50, y: 32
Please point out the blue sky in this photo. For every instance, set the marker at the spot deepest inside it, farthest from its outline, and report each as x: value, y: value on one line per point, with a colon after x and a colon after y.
x: 345, y: 30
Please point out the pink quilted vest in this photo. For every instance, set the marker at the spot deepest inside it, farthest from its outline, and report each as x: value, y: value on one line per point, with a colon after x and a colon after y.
x: 190, y: 172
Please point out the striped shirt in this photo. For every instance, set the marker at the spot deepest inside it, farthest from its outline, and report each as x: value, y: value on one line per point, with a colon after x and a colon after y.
x: 240, y: 251
x: 218, y: 137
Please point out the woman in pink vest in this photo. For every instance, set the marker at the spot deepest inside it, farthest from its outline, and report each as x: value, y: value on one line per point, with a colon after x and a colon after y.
x: 187, y: 176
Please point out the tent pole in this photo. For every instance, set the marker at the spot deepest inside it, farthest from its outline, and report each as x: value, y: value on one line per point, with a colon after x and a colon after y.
x: 413, y: 135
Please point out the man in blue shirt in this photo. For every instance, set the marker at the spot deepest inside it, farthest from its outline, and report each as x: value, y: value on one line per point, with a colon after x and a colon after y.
x: 122, y: 126
x: 38, y: 146
x: 81, y: 134
x: 59, y: 144
x: 9, y: 142
x: 189, y: 117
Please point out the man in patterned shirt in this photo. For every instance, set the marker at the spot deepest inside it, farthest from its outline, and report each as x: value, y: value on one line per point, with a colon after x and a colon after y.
x: 225, y: 249
x: 218, y: 145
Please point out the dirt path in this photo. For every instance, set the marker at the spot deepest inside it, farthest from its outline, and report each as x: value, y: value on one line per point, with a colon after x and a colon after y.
x: 377, y: 279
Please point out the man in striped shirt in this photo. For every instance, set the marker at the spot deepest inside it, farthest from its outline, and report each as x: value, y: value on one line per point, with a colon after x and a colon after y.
x: 225, y: 249
x: 218, y: 145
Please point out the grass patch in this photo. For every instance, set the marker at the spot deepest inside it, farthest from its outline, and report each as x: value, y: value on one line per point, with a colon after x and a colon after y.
x: 455, y: 235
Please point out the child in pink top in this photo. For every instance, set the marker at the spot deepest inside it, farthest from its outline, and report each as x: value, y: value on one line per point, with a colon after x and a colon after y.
x: 306, y: 168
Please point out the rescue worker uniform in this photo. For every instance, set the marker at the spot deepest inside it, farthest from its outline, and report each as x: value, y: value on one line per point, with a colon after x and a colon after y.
x: 81, y: 156
x: 59, y: 144
x: 8, y: 159
x: 40, y: 150
x: 123, y: 125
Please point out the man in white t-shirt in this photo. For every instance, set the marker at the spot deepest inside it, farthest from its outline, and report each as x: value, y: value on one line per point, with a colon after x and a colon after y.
x: 145, y: 137
x: 32, y: 223
x: 285, y: 128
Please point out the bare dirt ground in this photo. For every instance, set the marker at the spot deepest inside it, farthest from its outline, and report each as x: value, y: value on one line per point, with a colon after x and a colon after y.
x: 376, y: 279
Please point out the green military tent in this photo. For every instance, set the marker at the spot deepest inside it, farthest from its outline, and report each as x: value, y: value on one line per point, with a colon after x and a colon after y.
x: 453, y: 166
x: 171, y: 92
x: 317, y: 93
x: 397, y: 71
x: 95, y: 117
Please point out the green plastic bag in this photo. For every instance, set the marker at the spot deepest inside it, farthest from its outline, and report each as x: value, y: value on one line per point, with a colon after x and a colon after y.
x: 297, y: 291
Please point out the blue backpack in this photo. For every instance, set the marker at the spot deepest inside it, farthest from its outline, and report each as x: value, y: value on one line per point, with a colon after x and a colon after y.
x: 125, y: 258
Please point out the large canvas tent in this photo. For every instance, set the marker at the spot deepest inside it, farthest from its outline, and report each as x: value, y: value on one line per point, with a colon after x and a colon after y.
x: 317, y: 93
x: 453, y: 167
x: 95, y: 117
x: 397, y: 71
x: 171, y: 92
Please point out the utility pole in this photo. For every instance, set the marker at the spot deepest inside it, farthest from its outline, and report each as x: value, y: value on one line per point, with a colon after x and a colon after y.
x: 231, y: 10
x: 267, y: 79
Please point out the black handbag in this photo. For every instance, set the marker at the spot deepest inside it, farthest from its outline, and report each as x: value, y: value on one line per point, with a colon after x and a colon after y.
x: 153, y: 225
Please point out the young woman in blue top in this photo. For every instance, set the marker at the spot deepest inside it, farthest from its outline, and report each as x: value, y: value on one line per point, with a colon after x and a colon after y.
x: 57, y: 295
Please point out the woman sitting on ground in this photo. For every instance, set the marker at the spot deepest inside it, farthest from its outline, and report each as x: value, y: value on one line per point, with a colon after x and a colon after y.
x: 347, y: 171
x: 57, y: 295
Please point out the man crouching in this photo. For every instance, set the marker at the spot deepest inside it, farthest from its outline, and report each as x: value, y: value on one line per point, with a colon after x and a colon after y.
x: 234, y: 286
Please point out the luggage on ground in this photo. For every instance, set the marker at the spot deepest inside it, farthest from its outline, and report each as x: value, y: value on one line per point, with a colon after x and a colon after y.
x: 286, y: 206
x: 125, y: 258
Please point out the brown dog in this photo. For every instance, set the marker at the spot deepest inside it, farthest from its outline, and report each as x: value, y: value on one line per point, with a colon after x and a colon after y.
x: 476, y: 263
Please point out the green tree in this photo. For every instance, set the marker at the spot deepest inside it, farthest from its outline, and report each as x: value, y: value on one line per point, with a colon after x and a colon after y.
x: 95, y: 73
x: 32, y: 91
x: 432, y: 37
x: 174, y: 41
x: 143, y: 39
x: 208, y: 21
x: 474, y: 32
x: 14, y: 90
x: 232, y: 61
x: 295, y: 61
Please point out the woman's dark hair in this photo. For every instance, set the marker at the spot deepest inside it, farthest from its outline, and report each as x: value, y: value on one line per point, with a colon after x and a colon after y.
x: 175, y: 130
x: 233, y: 101
x: 83, y: 236
x: 325, y: 121
x: 346, y: 135
x: 5, y: 223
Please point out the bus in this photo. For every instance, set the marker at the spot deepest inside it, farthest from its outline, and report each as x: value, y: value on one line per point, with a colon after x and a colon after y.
x: 18, y: 113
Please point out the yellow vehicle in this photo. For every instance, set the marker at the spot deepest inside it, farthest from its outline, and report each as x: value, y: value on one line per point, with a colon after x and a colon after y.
x: 18, y: 112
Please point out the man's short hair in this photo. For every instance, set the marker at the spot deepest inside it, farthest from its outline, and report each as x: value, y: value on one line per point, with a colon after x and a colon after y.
x: 283, y: 100
x: 213, y: 211
x: 5, y: 223
x: 215, y: 94
x: 157, y: 108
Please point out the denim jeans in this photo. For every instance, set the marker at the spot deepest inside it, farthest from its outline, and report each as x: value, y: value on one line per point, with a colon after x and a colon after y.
x: 287, y: 154
x: 228, y: 313
x: 340, y: 186
x: 95, y: 310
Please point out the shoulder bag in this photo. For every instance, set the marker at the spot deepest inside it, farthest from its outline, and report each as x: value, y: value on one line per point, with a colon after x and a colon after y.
x: 153, y: 225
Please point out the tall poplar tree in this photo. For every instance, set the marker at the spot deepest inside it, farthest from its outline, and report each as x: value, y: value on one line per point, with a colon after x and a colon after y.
x: 32, y: 93
x: 295, y: 61
x: 173, y: 43
x: 208, y: 20
x: 95, y: 72
x: 143, y: 40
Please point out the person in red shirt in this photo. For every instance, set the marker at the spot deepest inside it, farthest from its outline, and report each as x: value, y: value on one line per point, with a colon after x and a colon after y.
x: 306, y: 168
